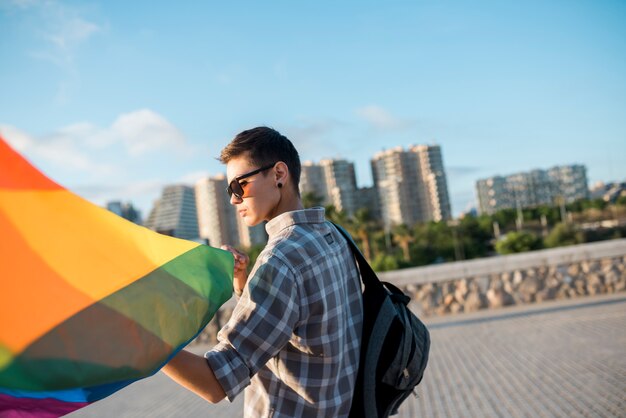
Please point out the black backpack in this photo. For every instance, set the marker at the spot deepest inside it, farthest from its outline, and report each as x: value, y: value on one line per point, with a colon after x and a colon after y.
x: 394, y: 346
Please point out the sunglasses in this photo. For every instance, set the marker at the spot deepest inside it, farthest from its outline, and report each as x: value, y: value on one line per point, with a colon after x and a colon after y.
x: 234, y: 187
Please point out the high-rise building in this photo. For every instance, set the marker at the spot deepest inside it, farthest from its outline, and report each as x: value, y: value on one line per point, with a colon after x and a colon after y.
x: 313, y: 181
x: 333, y: 181
x: 175, y: 213
x: 217, y: 218
x: 532, y: 188
x: 570, y: 182
x: 125, y: 209
x: 251, y: 235
x: 432, y: 173
x: 411, y: 185
x: 367, y: 197
x: 340, y: 184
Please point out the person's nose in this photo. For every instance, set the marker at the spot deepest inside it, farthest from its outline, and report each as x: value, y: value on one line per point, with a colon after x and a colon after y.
x: 234, y: 200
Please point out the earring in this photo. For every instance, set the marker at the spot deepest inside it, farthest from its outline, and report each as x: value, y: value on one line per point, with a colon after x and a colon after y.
x: 280, y: 185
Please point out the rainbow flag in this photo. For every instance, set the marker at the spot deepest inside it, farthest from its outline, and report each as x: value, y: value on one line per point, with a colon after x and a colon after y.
x: 90, y: 302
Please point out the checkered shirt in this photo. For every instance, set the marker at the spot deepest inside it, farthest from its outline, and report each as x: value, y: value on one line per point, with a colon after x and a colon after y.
x: 294, y: 337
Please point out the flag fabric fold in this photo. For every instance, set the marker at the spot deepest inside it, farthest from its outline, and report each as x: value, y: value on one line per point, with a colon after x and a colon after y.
x: 90, y: 302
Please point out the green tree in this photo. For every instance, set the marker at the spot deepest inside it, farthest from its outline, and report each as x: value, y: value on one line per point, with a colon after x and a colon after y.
x: 385, y: 262
x: 505, y: 218
x: 518, y: 242
x: 336, y: 216
x: 360, y: 226
x: 403, y: 237
x: 475, y: 236
x: 563, y: 234
x: 310, y: 200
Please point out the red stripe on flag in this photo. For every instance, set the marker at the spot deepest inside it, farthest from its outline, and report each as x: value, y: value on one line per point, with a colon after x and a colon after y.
x: 18, y: 174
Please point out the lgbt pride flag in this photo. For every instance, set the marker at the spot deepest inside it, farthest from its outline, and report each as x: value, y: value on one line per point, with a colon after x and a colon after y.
x: 90, y: 302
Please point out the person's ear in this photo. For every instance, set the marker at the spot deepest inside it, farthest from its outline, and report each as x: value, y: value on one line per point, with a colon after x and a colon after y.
x: 281, y: 174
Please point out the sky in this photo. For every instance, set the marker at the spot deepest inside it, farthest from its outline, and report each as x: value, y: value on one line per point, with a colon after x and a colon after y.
x: 115, y: 99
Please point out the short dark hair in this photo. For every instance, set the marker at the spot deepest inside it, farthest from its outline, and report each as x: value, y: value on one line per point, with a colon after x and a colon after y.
x: 264, y: 146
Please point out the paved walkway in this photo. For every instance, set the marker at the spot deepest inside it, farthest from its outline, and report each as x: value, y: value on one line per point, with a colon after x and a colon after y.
x: 556, y: 359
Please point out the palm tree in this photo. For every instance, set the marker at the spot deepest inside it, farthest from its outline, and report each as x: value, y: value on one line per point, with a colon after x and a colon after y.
x: 403, y: 237
x: 310, y: 200
x: 336, y: 216
x: 361, y: 225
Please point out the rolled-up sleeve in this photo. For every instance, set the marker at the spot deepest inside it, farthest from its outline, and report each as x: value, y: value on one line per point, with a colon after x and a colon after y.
x: 261, y: 324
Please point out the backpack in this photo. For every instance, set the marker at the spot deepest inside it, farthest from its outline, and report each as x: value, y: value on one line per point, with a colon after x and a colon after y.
x: 394, y: 346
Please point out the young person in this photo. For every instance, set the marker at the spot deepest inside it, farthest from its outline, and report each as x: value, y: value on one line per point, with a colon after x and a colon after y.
x: 292, y: 343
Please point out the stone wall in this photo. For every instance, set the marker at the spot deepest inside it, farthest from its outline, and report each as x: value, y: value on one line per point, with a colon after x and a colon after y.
x: 560, y: 273
x: 468, y: 286
x: 530, y: 285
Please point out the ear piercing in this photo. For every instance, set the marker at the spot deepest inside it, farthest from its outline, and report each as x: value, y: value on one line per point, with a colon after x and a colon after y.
x: 280, y: 185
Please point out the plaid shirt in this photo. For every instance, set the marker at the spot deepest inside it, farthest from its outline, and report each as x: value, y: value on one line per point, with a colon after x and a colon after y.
x: 294, y: 337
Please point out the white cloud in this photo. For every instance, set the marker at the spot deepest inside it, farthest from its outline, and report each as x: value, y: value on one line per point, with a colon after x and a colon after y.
x: 193, y: 177
x: 19, y: 140
x: 144, y: 131
x: 80, y: 147
x: 71, y: 31
x: 380, y: 119
x: 59, y: 149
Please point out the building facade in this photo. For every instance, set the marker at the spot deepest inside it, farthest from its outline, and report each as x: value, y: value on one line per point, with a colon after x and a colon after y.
x: 411, y: 184
x: 436, y: 198
x: 532, y: 188
x: 126, y: 210
x: 175, y: 213
x: 340, y: 184
x: 334, y: 182
x: 313, y: 181
x: 217, y: 218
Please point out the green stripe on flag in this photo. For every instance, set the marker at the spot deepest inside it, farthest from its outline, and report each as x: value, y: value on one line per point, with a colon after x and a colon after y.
x: 130, y: 333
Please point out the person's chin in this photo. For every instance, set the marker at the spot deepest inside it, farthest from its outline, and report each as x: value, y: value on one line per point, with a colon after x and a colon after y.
x: 251, y: 221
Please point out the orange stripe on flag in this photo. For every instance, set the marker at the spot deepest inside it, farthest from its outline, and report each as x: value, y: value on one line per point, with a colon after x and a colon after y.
x: 34, y: 299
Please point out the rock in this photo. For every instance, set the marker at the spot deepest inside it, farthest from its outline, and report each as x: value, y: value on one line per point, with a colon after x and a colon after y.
x: 412, y: 289
x: 448, y: 299
x: 552, y: 282
x: 581, y: 287
x: 563, y: 291
x: 447, y: 288
x: 496, y: 283
x: 428, y: 304
x: 456, y: 307
x: 474, y: 302
x: 590, y: 266
x: 530, y: 286
x: 595, y: 284
x: 548, y: 293
x: 518, y: 276
x: 460, y: 295
x: 573, y: 270
x: 498, y: 298
x: 483, y: 283
x: 441, y: 310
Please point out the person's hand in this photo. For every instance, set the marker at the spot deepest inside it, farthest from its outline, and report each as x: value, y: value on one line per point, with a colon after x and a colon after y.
x: 241, y: 267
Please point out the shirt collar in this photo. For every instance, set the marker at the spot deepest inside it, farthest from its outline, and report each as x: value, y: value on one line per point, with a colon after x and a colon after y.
x: 287, y: 219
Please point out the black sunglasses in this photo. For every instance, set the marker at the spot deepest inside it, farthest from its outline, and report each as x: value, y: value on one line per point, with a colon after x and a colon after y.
x: 234, y: 187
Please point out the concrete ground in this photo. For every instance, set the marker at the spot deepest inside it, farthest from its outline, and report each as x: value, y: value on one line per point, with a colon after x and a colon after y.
x: 555, y: 359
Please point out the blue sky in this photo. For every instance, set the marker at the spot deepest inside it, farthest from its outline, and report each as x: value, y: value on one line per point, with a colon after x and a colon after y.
x: 115, y: 99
